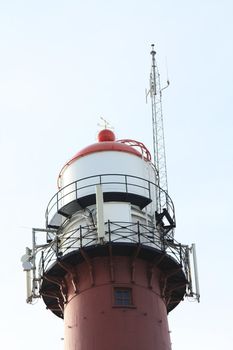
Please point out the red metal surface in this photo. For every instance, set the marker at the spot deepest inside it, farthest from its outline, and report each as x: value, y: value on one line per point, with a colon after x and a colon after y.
x: 106, y: 135
x: 105, y: 146
x: 93, y: 322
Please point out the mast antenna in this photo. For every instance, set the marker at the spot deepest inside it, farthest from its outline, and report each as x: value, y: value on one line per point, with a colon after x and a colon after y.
x: 155, y: 92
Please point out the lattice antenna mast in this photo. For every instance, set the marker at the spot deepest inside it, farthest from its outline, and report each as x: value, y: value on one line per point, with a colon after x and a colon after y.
x: 158, y: 134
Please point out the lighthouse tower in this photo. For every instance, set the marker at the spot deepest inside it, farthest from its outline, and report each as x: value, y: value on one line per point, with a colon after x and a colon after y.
x: 112, y: 280
x: 107, y: 261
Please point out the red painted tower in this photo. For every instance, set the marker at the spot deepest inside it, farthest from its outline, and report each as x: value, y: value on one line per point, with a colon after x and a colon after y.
x: 109, y: 264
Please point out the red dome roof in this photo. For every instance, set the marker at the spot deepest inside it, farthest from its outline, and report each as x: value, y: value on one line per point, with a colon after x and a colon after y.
x: 106, y: 146
x: 107, y: 142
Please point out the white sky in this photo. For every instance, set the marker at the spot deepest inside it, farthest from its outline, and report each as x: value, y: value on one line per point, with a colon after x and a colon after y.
x: 63, y: 64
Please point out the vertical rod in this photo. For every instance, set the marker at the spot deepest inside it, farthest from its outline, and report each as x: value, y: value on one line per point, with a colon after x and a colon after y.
x: 126, y: 184
x: 46, y: 215
x: 76, y: 190
x: 33, y: 261
x: 188, y: 268
x: 109, y: 231
x: 196, y: 271
x: 139, y: 238
x: 42, y: 259
x: 57, y: 250
x: 29, y: 286
x: 149, y: 190
x: 81, y: 238
x: 57, y: 201
x: 100, y: 213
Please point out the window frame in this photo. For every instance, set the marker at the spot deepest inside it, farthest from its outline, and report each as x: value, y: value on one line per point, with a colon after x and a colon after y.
x: 123, y: 288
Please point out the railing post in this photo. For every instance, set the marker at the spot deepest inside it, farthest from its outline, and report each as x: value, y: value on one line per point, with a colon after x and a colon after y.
x: 109, y: 231
x: 57, y: 201
x: 149, y: 189
x: 57, y: 250
x: 167, y: 203
x: 46, y: 215
x: 162, y: 240
x: 139, y: 235
x: 181, y: 258
x: 126, y: 184
x: 80, y: 236
x: 76, y: 190
x: 42, y: 259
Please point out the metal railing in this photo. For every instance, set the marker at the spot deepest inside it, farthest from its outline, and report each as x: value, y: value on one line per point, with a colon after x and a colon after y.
x: 115, y: 232
x: 43, y: 257
x: 127, y: 184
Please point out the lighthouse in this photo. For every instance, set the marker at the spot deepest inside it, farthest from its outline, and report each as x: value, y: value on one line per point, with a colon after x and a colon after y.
x: 109, y: 264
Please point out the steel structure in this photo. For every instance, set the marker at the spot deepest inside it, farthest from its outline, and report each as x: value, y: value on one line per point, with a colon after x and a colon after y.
x: 155, y: 92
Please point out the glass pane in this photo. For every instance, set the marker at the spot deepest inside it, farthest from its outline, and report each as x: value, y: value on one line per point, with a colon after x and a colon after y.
x: 123, y: 296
